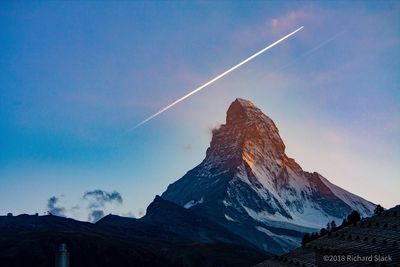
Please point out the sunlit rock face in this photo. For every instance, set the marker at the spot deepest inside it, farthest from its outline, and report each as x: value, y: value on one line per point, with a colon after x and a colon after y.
x: 249, y: 185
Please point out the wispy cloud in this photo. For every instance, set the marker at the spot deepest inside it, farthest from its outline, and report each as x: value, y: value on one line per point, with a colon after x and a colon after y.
x: 188, y: 147
x: 272, y: 27
x: 54, y: 208
x: 98, y: 199
x: 93, y: 203
x: 96, y: 215
x: 288, y: 20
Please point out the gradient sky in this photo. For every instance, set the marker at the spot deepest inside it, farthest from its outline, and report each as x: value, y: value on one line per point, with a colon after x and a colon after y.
x: 74, y: 76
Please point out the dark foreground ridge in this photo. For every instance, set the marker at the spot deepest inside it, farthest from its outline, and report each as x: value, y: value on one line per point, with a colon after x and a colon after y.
x: 370, y: 242
x: 155, y: 240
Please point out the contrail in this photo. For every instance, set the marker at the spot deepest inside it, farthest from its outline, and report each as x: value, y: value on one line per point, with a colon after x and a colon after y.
x: 311, y: 51
x: 215, y: 79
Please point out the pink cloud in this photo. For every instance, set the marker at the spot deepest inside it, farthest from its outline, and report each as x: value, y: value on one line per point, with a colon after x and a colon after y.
x: 289, y: 20
x: 275, y: 26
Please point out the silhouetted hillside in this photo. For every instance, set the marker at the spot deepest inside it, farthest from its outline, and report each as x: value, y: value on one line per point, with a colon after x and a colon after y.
x: 182, y: 239
x: 375, y: 237
x: 32, y: 241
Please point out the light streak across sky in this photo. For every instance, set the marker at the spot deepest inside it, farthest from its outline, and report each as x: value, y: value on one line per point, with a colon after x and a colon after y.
x: 311, y: 51
x: 215, y: 79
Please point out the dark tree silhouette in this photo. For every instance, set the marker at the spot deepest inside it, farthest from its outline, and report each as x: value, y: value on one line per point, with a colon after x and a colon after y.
x: 306, y: 239
x: 333, y: 226
x: 314, y: 235
x: 323, y: 232
x: 378, y: 210
x: 353, y: 217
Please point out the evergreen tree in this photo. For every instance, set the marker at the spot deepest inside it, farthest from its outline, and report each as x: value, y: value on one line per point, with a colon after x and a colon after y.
x: 333, y: 226
x: 353, y: 217
x: 313, y: 236
x: 306, y: 239
x: 322, y: 232
x: 378, y: 210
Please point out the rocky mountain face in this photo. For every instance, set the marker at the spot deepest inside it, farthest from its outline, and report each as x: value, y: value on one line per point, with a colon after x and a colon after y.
x: 188, y: 225
x: 247, y: 184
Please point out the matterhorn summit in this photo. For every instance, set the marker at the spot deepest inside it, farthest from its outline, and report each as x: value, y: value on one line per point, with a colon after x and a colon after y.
x: 249, y: 185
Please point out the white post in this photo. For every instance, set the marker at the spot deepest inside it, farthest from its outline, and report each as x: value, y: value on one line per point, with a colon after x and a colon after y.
x: 62, y: 256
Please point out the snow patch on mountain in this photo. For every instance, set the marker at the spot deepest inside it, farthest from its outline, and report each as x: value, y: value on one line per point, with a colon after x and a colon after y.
x: 310, y: 218
x: 229, y: 218
x: 192, y: 203
x: 287, y: 242
x: 350, y: 199
x: 226, y: 203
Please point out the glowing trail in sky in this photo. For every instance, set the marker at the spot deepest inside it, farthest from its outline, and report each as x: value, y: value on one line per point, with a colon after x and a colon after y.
x: 215, y: 79
x: 311, y: 51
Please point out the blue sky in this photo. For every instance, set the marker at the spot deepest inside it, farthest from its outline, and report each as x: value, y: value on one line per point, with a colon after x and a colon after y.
x: 74, y: 76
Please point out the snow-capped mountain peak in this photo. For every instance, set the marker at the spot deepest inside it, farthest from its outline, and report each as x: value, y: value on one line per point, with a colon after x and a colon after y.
x: 248, y: 183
